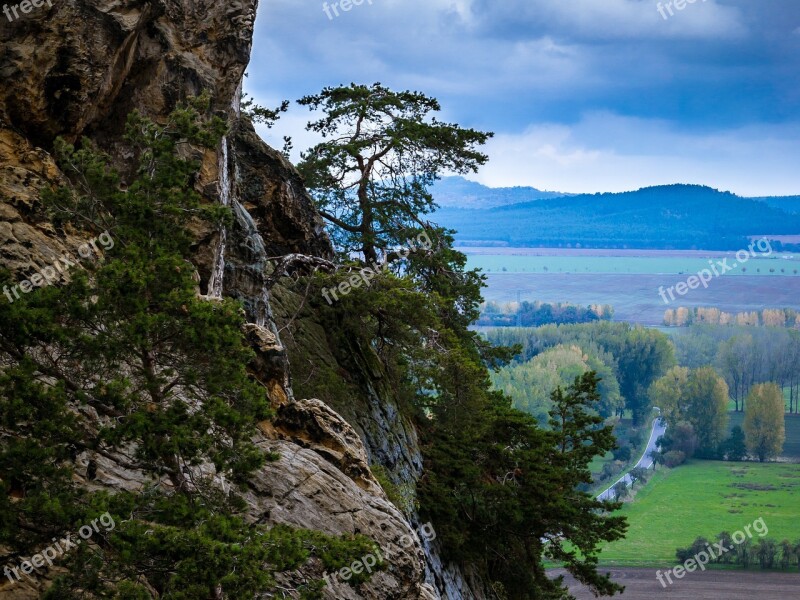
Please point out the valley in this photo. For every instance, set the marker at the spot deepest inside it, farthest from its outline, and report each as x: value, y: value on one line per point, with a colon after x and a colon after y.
x: 629, y: 280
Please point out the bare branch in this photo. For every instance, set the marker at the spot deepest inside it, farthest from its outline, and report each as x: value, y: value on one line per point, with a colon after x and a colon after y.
x: 311, y: 262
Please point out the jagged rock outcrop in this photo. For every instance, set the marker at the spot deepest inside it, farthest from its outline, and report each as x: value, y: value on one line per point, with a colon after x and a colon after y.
x: 77, y: 69
x: 323, y: 481
x: 272, y: 192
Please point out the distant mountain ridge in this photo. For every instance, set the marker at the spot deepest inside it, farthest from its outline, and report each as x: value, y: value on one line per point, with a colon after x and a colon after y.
x: 670, y: 217
x: 457, y: 192
x: 789, y: 204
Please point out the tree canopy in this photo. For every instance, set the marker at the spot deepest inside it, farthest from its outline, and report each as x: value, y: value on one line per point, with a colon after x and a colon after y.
x: 531, y: 383
x: 382, y: 150
x: 697, y: 398
x: 764, y: 421
x: 637, y: 355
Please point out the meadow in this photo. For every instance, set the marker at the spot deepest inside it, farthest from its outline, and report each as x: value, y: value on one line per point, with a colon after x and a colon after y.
x: 551, y: 260
x: 705, y: 498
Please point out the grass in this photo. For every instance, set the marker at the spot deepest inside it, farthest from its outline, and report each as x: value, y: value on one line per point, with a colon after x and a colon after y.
x: 649, y: 265
x: 705, y: 498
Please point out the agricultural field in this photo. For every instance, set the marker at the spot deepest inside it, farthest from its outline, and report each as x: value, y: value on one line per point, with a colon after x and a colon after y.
x: 634, y: 262
x: 705, y: 498
x: 635, y: 298
x: 641, y: 584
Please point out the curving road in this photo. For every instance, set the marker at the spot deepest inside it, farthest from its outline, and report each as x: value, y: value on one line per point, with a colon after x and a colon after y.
x: 659, y: 427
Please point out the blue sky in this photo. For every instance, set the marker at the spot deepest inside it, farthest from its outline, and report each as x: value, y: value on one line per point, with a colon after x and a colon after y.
x: 583, y: 95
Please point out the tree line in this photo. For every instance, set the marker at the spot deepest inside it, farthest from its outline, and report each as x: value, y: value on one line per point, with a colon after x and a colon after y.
x: 744, y: 357
x: 766, y: 553
x: 629, y: 357
x: 694, y: 402
x: 769, y: 317
x: 534, y: 314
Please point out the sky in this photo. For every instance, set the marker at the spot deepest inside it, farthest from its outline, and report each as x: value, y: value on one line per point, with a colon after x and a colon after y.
x: 582, y: 95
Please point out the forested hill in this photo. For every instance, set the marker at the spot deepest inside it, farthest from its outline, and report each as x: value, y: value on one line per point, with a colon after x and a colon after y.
x: 674, y: 216
x: 457, y: 192
x: 789, y: 204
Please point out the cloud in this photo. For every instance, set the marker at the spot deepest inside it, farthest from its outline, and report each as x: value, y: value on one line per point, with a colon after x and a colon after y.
x: 608, y: 152
x: 567, y: 83
x: 603, y: 20
x: 605, y: 152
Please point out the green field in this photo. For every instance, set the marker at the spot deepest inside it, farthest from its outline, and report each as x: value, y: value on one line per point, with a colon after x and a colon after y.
x: 634, y: 265
x: 705, y: 498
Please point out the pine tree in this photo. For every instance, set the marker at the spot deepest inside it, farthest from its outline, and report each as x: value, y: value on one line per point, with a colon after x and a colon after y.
x: 382, y: 151
x: 501, y: 492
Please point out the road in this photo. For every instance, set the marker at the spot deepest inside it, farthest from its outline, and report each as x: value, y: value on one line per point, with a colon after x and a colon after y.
x: 659, y: 427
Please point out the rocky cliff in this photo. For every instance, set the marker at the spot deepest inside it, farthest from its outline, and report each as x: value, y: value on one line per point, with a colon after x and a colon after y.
x: 77, y: 68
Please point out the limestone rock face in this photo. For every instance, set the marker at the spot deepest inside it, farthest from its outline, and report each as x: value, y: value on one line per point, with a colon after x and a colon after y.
x: 322, y: 481
x: 78, y: 68
x: 316, y: 426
